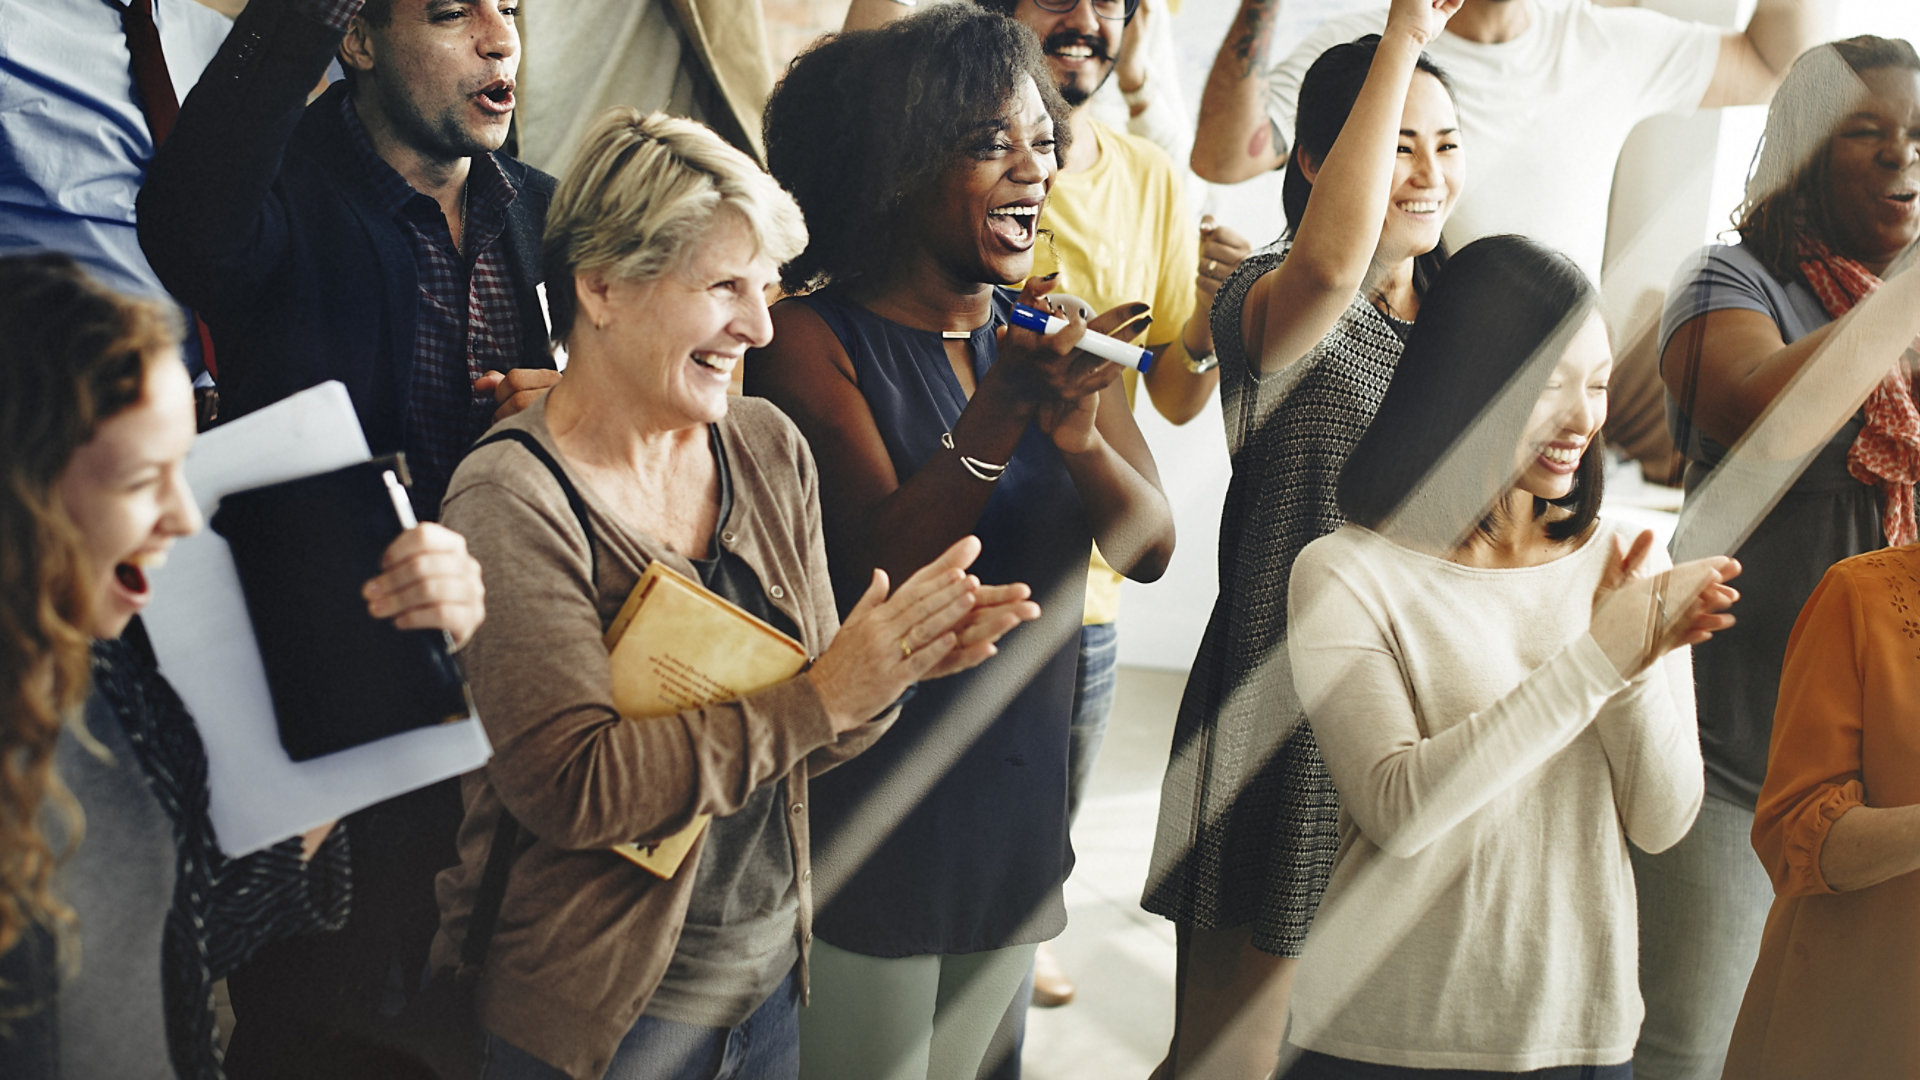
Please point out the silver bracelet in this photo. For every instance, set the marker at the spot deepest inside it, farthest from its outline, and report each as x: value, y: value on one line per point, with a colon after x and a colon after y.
x: 980, y: 470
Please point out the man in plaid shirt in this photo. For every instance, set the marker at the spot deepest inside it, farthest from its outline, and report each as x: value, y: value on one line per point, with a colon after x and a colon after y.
x: 379, y: 238
x: 376, y: 236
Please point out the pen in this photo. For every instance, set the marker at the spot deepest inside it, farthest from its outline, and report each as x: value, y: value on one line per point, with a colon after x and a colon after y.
x: 1093, y: 341
x: 402, y: 505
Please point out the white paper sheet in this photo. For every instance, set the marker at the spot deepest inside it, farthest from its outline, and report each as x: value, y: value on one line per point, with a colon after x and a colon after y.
x: 205, y: 644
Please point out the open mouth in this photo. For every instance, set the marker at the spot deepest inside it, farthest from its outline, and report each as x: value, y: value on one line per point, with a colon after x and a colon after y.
x: 131, y: 575
x: 718, y: 363
x: 1074, y: 48
x: 1015, y: 223
x: 131, y: 578
x: 497, y: 96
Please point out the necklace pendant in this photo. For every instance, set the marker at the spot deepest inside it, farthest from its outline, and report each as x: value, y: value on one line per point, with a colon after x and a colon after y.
x: 956, y: 335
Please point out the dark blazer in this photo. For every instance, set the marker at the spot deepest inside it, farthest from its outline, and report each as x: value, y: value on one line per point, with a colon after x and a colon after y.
x: 257, y: 214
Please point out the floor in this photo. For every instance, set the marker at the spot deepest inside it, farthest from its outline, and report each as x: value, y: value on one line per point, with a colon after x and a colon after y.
x: 1120, y: 957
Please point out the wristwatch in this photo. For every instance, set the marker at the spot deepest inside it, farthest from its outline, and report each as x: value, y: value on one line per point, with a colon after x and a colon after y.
x: 1200, y: 365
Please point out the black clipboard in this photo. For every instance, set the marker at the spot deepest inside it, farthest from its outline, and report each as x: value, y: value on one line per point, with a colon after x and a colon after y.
x: 339, y: 677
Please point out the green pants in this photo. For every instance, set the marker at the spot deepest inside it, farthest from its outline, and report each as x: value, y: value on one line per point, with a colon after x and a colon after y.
x: 913, y: 1018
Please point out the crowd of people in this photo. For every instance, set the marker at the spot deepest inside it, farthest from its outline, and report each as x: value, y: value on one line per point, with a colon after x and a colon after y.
x: 1470, y: 778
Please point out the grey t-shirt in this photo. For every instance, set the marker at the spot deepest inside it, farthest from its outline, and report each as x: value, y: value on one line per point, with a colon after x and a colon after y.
x: 1825, y: 516
x: 120, y: 884
x: 741, y: 934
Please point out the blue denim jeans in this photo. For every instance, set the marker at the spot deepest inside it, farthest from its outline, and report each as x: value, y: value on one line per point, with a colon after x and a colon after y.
x: 764, y: 1046
x: 1092, y: 705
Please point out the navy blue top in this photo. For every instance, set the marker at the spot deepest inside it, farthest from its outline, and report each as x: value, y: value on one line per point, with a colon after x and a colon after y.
x: 950, y: 834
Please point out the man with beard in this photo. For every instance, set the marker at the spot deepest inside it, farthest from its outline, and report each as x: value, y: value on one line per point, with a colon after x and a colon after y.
x: 375, y: 237
x: 1120, y: 232
x: 1547, y: 91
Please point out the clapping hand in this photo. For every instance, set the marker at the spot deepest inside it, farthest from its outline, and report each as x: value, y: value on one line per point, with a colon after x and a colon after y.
x: 1639, y: 616
x: 1062, y: 382
x: 941, y: 621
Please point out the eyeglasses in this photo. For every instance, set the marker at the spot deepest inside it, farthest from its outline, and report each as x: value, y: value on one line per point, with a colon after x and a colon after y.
x: 1106, y: 9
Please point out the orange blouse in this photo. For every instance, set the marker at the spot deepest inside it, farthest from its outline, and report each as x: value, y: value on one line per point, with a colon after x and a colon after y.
x: 1836, y: 990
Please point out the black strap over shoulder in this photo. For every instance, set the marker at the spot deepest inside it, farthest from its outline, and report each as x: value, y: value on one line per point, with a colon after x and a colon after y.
x: 572, y: 493
x: 493, y: 892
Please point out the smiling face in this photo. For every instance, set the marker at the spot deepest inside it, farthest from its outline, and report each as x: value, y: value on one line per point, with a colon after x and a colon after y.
x: 980, y: 220
x: 678, y: 337
x: 1080, y: 46
x: 1873, y: 169
x: 126, y: 492
x: 1568, y: 415
x: 439, y: 74
x: 1429, y: 171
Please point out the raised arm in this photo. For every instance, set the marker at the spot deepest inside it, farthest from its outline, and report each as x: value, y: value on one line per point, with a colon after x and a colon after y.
x: 209, y: 220
x: 1292, y: 307
x: 1753, y: 61
x: 1234, y: 140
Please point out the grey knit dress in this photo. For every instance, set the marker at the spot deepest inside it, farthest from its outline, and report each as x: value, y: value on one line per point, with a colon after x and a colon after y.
x: 1248, y: 816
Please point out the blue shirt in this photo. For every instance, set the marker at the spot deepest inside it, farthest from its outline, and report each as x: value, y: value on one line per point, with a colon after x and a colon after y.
x: 74, y: 144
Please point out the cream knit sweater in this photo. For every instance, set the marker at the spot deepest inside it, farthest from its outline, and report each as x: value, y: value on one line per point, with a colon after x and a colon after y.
x: 1492, y: 766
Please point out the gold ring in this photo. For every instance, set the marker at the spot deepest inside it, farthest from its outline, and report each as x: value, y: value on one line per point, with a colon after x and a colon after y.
x: 906, y: 650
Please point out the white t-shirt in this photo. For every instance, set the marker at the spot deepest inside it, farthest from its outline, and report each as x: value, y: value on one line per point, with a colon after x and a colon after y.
x: 1542, y: 116
x: 1492, y: 766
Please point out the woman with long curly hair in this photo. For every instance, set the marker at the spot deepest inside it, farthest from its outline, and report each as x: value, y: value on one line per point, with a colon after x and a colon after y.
x: 71, y: 358
x: 145, y: 913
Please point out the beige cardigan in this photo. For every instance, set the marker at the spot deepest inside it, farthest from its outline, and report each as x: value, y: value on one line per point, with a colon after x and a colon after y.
x: 584, y: 936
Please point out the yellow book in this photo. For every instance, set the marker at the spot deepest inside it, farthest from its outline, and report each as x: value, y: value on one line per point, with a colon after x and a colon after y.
x: 677, y: 645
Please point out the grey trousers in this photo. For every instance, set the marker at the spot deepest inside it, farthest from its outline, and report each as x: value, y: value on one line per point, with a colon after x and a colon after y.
x: 1703, y: 904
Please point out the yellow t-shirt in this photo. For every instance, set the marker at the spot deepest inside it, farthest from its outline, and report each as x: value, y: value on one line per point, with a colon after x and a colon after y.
x: 1120, y: 233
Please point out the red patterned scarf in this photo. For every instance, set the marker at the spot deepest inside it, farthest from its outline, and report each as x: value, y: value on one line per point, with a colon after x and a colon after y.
x: 1886, y: 453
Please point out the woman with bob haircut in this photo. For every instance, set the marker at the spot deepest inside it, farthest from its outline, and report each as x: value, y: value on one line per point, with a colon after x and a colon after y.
x: 145, y: 910
x: 923, y: 152
x: 1497, y: 682
x: 1309, y: 330
x: 1833, y: 199
x: 662, y: 243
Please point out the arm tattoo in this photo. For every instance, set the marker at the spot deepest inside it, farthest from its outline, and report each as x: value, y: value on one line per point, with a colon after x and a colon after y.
x: 1252, y: 33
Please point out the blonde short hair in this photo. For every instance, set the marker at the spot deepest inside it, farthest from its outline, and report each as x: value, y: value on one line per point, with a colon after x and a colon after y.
x: 642, y: 190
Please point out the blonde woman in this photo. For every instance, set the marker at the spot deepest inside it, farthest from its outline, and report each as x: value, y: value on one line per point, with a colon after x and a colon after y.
x: 661, y: 245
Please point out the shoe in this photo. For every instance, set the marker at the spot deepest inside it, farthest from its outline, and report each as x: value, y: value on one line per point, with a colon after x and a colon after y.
x: 1051, y: 987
